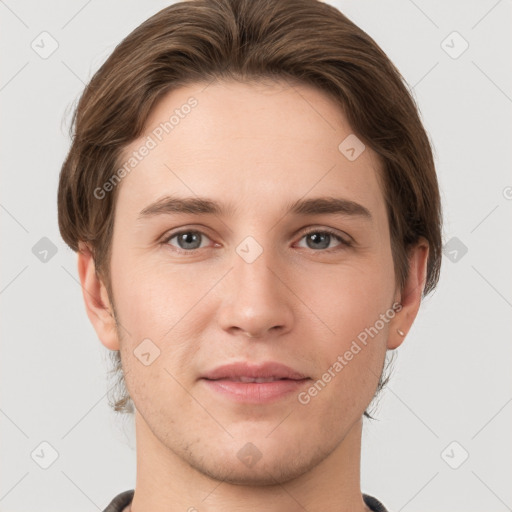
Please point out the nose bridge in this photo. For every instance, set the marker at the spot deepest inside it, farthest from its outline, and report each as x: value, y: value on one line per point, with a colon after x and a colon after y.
x: 255, y: 299
x: 255, y: 265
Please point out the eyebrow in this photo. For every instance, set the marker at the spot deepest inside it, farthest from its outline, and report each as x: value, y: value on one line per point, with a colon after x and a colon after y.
x: 206, y: 206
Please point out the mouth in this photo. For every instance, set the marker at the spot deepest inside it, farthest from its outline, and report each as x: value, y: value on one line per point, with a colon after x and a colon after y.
x: 256, y: 380
x: 244, y: 371
x: 244, y: 383
x: 255, y: 393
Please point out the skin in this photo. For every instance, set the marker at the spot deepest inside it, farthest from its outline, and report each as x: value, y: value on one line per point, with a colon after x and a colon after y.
x: 258, y: 147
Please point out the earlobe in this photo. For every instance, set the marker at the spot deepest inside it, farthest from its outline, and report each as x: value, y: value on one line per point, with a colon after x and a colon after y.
x: 97, y: 303
x: 411, y: 294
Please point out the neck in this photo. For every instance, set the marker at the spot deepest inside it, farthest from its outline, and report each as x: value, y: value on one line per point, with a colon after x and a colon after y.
x: 167, y: 483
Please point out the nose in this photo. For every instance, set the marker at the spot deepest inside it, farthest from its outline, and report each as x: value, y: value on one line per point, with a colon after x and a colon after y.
x: 256, y: 300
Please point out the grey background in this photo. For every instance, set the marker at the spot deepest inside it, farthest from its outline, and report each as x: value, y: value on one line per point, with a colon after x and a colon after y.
x: 452, y: 379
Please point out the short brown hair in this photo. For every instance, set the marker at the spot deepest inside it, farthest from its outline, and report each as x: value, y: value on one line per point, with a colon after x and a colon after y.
x: 305, y: 41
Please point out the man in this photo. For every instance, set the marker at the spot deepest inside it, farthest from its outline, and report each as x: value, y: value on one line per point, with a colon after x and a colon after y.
x: 256, y: 213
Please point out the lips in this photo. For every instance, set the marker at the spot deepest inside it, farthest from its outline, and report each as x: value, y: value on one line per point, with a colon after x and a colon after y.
x: 251, y: 379
x: 247, y: 372
x: 254, y: 384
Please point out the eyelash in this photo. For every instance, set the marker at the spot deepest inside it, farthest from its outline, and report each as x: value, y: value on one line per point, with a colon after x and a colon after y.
x: 343, y: 243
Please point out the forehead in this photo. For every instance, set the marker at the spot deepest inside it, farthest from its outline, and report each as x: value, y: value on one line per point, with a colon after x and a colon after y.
x: 272, y: 142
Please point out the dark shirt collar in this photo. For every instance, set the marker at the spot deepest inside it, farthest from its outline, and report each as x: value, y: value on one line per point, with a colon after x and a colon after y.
x: 125, y: 498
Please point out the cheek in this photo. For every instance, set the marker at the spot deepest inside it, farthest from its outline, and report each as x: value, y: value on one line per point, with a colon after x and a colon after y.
x: 355, y: 302
x: 163, y: 310
x: 349, y: 360
x: 350, y: 297
x: 157, y: 316
x: 152, y: 298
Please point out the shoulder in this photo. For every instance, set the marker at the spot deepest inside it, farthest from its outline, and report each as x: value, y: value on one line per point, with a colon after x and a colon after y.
x: 125, y: 498
x: 120, y: 501
x: 374, y: 504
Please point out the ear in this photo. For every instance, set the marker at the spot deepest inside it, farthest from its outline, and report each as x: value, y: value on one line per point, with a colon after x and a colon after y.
x: 410, y: 296
x: 97, y: 303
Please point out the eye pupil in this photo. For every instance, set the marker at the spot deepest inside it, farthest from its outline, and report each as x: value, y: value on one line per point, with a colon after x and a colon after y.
x: 319, y: 237
x: 188, y: 238
x: 192, y: 240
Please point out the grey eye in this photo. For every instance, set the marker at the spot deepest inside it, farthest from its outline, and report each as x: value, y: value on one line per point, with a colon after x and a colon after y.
x: 187, y: 240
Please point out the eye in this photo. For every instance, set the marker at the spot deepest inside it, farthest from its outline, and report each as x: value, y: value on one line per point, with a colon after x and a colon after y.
x: 192, y: 240
x: 321, y: 239
x: 187, y: 240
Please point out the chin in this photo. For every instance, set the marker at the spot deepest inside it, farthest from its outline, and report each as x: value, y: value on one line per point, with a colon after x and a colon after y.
x: 262, y: 462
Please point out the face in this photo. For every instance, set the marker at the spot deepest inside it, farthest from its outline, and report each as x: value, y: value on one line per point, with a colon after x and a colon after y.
x: 272, y: 275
